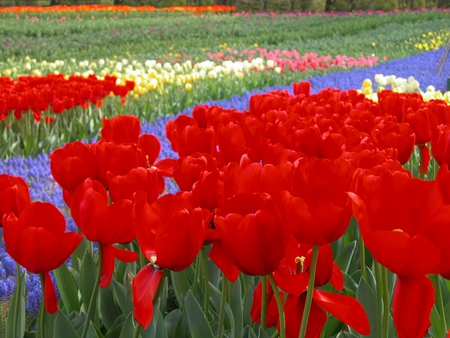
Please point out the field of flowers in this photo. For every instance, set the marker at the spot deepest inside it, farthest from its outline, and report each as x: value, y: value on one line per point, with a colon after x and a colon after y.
x: 255, y: 175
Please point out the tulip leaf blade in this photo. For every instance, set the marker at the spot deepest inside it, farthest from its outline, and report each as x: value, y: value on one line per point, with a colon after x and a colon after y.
x: 108, y: 308
x: 88, y: 273
x: 19, y: 293
x: 346, y: 335
x: 67, y: 288
x: 181, y: 328
x: 77, y: 255
x: 63, y: 327
x: 171, y: 321
x: 121, y: 297
x: 367, y: 298
x: 181, y: 285
x: 197, y: 322
x: 236, y: 307
x: 94, y: 332
x: 435, y: 320
x: 128, y: 327
x: 262, y: 333
x: 160, y: 326
x: 345, y: 256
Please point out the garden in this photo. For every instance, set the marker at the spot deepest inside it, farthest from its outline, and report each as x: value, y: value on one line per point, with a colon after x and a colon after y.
x: 207, y: 172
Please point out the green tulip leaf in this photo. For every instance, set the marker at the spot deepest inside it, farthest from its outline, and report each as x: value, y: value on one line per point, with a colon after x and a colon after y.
x: 88, y: 273
x: 236, y: 307
x: 108, y: 308
x: 180, y: 284
x: 121, y: 297
x: 171, y: 321
x: 67, y: 288
x: 181, y: 329
x: 366, y: 296
x: 346, y: 335
x: 197, y: 322
x: 77, y: 255
x: 345, y: 256
x: 15, y: 322
x: 128, y: 327
x: 63, y: 327
x: 160, y: 326
x: 435, y: 320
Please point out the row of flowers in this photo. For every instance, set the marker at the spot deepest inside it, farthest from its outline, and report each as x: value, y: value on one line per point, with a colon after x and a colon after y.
x: 58, y: 92
x: 115, y: 8
x: 269, y: 188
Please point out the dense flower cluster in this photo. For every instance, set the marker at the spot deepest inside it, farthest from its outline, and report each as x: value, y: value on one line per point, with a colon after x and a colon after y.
x: 60, y: 92
x: 115, y: 8
x: 280, y: 146
x: 279, y: 172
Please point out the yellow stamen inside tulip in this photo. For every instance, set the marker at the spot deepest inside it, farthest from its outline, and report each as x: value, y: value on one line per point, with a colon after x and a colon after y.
x: 300, y: 263
x: 152, y: 258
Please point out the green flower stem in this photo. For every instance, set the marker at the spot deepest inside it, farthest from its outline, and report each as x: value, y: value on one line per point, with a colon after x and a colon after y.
x: 264, y: 303
x: 309, y: 293
x: 439, y: 302
x: 362, y: 259
x: 274, y: 286
x: 275, y: 334
x: 223, y: 301
x: 386, y: 302
x: 17, y: 300
x: 206, y: 279
x: 93, y: 300
x: 378, y: 278
x: 196, y: 273
x: 41, y: 319
x: 137, y: 330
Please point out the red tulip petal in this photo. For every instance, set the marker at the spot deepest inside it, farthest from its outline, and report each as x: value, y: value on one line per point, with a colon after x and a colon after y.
x: 50, y: 298
x: 337, y: 278
x: 344, y: 308
x: 166, y: 167
x: 425, y: 160
x: 107, y: 264
x: 109, y: 253
x: 412, y: 303
x: 151, y: 147
x: 293, y: 309
x: 11, y: 232
x: 124, y: 255
x: 219, y: 256
x: 293, y: 284
x: 145, y: 285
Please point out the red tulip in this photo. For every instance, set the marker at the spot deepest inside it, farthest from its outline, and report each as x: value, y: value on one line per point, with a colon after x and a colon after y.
x: 316, y: 206
x: 404, y: 223
x: 292, y: 274
x: 401, y: 220
x: 117, y: 159
x: 187, y: 137
x: 252, y: 232
x: 37, y: 240
x: 169, y: 231
x: 121, y: 129
x: 71, y: 165
x: 14, y: 195
x: 389, y: 134
x: 103, y: 223
x: 138, y: 179
x: 439, y: 144
x: 303, y: 87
